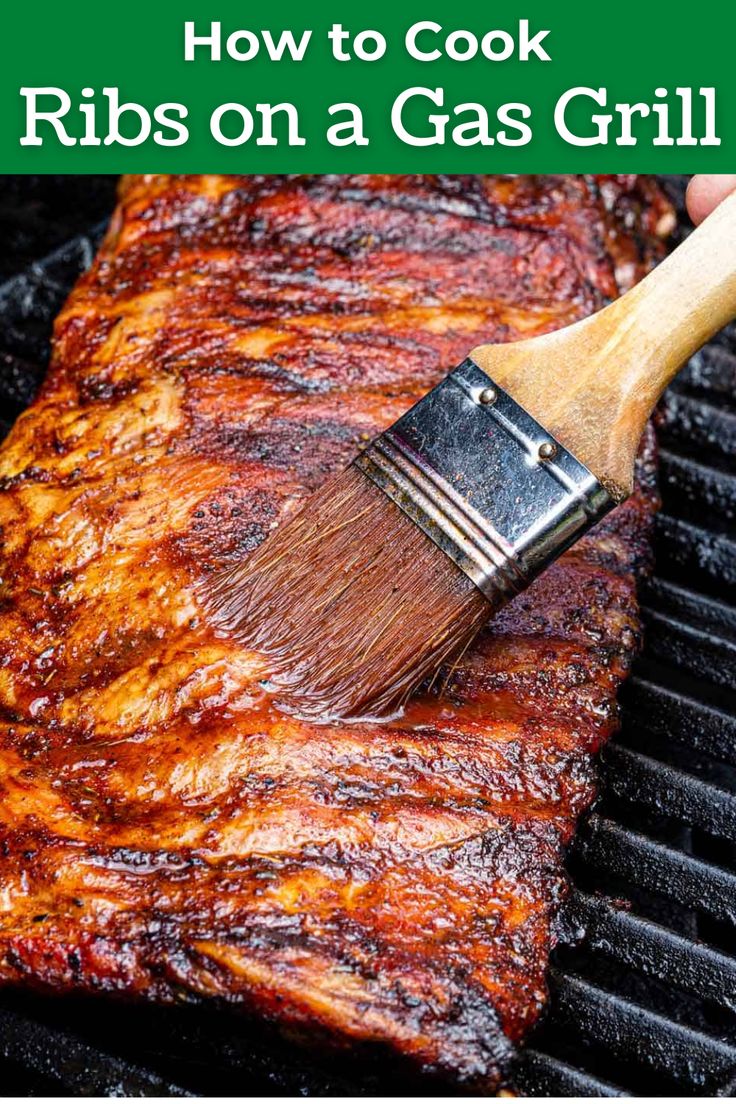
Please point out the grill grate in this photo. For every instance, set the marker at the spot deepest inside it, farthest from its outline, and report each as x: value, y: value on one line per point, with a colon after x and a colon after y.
x: 643, y: 994
x: 649, y: 995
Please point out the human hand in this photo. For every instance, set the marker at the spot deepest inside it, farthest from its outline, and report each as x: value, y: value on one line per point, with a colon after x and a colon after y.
x: 705, y: 191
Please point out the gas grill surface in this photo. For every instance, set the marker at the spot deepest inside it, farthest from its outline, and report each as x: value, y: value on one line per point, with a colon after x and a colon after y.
x: 644, y: 981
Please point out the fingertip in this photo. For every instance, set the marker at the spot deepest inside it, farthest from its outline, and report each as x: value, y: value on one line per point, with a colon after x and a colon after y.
x: 705, y: 191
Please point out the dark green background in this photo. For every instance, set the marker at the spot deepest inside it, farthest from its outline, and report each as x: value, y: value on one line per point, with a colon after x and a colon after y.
x: 630, y: 47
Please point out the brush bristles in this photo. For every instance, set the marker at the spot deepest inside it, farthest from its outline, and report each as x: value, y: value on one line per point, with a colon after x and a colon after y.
x: 350, y: 603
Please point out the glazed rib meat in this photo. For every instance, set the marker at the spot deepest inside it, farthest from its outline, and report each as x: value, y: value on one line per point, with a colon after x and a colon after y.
x: 165, y: 833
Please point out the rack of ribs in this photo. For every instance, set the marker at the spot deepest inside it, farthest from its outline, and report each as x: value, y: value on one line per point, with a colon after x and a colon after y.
x: 165, y: 832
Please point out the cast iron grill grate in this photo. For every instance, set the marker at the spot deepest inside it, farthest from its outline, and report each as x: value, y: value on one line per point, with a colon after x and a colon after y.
x: 644, y: 981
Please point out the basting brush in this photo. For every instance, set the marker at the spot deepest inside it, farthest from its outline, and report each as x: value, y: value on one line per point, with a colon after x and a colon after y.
x: 392, y: 567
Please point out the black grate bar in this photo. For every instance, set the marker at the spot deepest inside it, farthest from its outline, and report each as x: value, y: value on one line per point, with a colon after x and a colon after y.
x: 80, y: 1069
x: 540, y: 1074
x: 710, y: 372
x: 670, y: 791
x: 654, y: 950
x: 709, y: 556
x: 30, y: 301
x: 690, y: 605
x: 666, y: 713
x: 609, y: 847
x: 707, y: 487
x: 697, y: 426
x: 56, y: 271
x: 604, y: 1020
x: 699, y: 651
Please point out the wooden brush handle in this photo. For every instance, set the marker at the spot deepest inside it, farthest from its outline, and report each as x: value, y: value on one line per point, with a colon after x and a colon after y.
x: 594, y: 384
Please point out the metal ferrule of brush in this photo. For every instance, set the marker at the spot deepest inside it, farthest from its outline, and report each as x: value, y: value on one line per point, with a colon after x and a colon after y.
x: 485, y: 481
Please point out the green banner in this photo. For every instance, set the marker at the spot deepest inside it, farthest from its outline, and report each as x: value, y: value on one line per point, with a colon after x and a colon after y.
x: 388, y: 87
